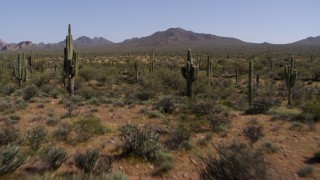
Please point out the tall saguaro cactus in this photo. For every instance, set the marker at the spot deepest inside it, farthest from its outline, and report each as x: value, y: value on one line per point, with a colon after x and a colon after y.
x: 136, y: 68
x: 291, y: 78
x: 208, y: 68
x: 30, y: 62
x: 71, y: 60
x: 250, y: 86
x: 152, y: 62
x: 237, y: 72
x: 189, y: 72
x: 20, y: 71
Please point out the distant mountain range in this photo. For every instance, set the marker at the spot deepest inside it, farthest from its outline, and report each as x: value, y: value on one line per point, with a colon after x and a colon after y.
x: 171, y: 38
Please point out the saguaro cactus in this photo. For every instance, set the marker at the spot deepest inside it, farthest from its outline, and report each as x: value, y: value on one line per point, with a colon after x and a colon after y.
x: 152, y: 62
x: 250, y: 90
x: 189, y: 72
x: 291, y: 78
x: 257, y: 80
x: 208, y: 68
x: 30, y: 62
x: 71, y: 60
x: 237, y: 72
x: 20, y: 72
x: 136, y: 68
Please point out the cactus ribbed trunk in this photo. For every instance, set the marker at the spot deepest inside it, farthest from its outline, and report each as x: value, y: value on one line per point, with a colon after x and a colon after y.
x: 189, y: 72
x: 71, y: 60
x: 257, y: 81
x: 237, y: 72
x: 250, y: 90
x: 291, y: 77
x: 209, y: 69
x: 136, y: 68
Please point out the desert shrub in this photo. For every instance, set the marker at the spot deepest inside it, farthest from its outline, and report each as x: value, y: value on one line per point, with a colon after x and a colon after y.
x: 5, y: 105
x: 9, y: 89
x: 164, y: 162
x: 177, y: 137
x: 40, y: 79
x: 253, y: 133
x: 140, y: 141
x: 88, y: 73
x: 305, y: 171
x: 202, y: 108
x: 236, y: 161
x: 14, y: 119
x: 87, y: 92
x: 93, y: 101
x: 79, y: 83
x: 36, y: 137
x: 10, y: 159
x: 86, y: 160
x: 53, y: 157
x: 114, y: 176
x: 313, y: 108
x: 166, y: 104
x: 62, y: 132
x: 88, y: 127
x: 207, y: 138
x: 269, y: 147
x: 315, y: 158
x: 219, y: 121
x: 52, y: 121
x: 92, y: 162
x: 145, y: 94
x: 9, y: 136
x: 30, y: 92
x: 259, y: 106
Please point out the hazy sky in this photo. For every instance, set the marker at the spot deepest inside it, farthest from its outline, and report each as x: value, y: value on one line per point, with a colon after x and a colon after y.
x: 275, y: 21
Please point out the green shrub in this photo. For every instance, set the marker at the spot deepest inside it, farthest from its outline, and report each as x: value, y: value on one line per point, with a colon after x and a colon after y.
x: 270, y: 147
x: 5, y: 105
x: 10, y: 159
x: 140, y: 141
x: 30, y: 92
x: 53, y: 157
x: 86, y: 160
x: 36, y: 137
x: 219, y: 121
x: 177, y: 137
x: 253, y: 133
x: 9, y: 136
x: 164, y: 162
x: 9, y: 89
x: 92, y: 162
x: 202, y: 108
x: 236, y: 161
x: 62, y: 132
x: 259, y: 106
x: 145, y: 94
x: 312, y: 107
x: 305, y: 171
x: 166, y: 104
x: 88, y: 127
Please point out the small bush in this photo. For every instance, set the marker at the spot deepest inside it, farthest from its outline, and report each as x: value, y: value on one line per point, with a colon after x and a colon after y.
x: 52, y: 121
x: 86, y: 160
x: 92, y: 162
x: 8, y: 136
x: 219, y: 121
x: 260, y: 106
x: 237, y: 161
x: 202, y: 108
x: 88, y: 127
x: 143, y: 142
x: 5, y: 105
x: 53, y: 157
x: 269, y: 147
x: 36, y: 137
x: 165, y: 104
x: 305, y: 171
x: 9, y: 89
x: 177, y: 137
x: 145, y: 95
x: 62, y: 132
x: 30, y: 92
x: 312, y: 107
x: 10, y: 159
x: 253, y: 133
x: 164, y: 162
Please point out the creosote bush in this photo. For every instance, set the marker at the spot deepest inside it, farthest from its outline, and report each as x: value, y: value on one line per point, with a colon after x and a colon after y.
x: 36, y: 137
x: 10, y: 159
x: 166, y: 104
x: 9, y: 136
x: 259, y: 106
x: 30, y: 92
x: 53, y: 157
x: 235, y: 161
x: 177, y: 138
x: 140, y: 141
x: 253, y: 133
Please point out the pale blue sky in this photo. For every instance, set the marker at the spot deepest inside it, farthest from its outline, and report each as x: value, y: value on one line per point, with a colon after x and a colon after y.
x: 275, y: 21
